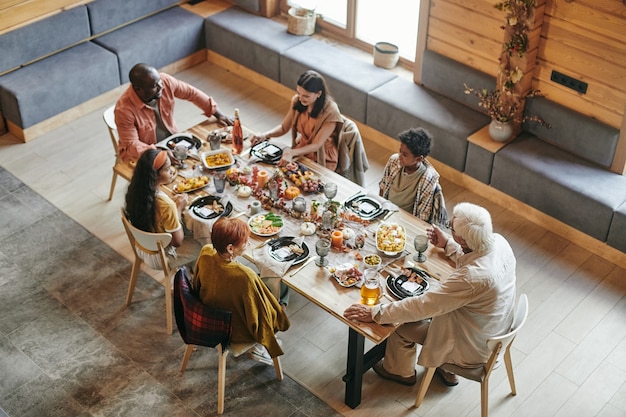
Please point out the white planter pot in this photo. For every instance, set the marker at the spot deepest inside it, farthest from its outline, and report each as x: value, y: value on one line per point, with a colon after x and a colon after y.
x: 500, y: 131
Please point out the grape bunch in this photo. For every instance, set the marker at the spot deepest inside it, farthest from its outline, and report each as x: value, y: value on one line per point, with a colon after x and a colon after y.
x: 310, y: 186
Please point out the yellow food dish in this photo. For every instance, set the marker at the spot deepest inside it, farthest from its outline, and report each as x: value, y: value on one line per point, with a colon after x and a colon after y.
x: 218, y: 159
x: 390, y: 238
x: 190, y: 184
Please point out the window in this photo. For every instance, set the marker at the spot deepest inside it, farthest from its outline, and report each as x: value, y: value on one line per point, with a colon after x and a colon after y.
x: 366, y: 22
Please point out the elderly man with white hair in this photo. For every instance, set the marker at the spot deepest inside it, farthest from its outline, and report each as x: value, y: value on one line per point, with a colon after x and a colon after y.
x: 451, y: 321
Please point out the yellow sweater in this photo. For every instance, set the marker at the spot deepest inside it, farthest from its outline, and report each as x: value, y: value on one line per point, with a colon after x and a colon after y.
x: 231, y: 286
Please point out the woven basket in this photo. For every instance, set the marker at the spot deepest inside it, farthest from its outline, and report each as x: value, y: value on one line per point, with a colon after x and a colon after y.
x: 386, y: 55
x: 301, y: 21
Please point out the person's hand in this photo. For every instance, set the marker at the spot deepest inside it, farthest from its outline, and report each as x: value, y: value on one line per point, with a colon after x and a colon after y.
x: 437, y: 237
x: 257, y: 139
x: 181, y: 201
x: 222, y: 119
x: 359, y: 312
x: 286, y: 158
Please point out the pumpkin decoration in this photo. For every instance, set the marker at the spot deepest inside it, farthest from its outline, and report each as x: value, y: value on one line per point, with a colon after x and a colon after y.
x: 292, y: 192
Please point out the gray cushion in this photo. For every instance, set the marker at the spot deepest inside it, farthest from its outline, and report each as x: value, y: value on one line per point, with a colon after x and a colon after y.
x: 564, y: 186
x: 43, y: 37
x: 108, y: 14
x: 157, y: 40
x: 57, y: 83
x: 479, y: 163
x: 447, y: 77
x: 617, y: 231
x: 252, y: 41
x: 401, y: 104
x: 349, y: 79
x: 581, y: 135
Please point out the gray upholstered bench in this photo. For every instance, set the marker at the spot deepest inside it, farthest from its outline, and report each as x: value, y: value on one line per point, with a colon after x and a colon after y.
x: 564, y: 171
x: 349, y: 79
x: 252, y: 41
x: 66, y: 78
x: 440, y: 106
x: 157, y: 40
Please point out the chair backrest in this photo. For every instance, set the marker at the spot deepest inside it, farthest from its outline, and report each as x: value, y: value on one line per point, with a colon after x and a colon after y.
x: 518, y: 321
x: 439, y: 213
x: 109, y: 120
x: 353, y: 161
x: 198, y: 324
x: 146, y: 241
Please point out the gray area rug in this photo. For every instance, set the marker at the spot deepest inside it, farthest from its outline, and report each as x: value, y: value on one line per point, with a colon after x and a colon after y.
x: 69, y: 347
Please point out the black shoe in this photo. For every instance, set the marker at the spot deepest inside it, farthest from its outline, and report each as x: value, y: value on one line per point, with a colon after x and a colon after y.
x: 380, y: 370
x: 448, y: 378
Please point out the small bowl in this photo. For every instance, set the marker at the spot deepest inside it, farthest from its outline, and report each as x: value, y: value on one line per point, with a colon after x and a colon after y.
x: 372, y: 261
x: 226, y: 159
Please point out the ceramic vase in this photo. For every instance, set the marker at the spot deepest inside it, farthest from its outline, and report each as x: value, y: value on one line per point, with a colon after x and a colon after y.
x: 500, y: 131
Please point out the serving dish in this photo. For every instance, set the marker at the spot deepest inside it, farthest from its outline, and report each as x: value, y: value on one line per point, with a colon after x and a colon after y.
x: 365, y: 207
x: 347, y: 275
x: 188, y: 185
x: 410, y: 283
x: 285, y: 249
x: 210, y: 207
x: 217, y: 159
x: 267, y: 152
x: 188, y: 139
x: 390, y: 238
x: 266, y: 224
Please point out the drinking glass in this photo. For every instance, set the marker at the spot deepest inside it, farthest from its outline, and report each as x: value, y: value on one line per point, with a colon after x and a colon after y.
x: 215, y: 140
x: 180, y: 153
x: 322, y: 247
x: 370, y: 290
x: 420, y: 243
x: 330, y: 190
x: 219, y: 180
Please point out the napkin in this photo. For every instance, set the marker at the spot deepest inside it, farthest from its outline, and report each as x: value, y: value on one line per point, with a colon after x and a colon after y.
x: 269, y: 266
x: 200, y: 227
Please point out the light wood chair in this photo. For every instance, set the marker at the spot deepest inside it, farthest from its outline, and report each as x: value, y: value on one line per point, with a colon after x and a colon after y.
x: 500, y: 349
x: 153, y: 245
x: 121, y: 168
x: 200, y: 325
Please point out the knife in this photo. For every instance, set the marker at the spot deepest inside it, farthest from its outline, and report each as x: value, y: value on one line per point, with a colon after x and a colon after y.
x: 308, y: 261
x: 241, y: 213
x: 388, y: 215
x: 262, y: 244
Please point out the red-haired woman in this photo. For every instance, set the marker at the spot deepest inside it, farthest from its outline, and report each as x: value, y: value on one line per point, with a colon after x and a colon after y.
x: 224, y: 283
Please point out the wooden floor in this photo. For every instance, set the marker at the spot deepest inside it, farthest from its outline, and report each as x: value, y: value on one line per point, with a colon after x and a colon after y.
x: 570, y: 359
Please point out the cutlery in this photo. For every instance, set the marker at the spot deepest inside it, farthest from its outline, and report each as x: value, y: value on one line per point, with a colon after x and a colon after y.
x: 354, y: 196
x: 260, y: 245
x: 391, y: 213
x: 241, y: 213
x: 308, y: 261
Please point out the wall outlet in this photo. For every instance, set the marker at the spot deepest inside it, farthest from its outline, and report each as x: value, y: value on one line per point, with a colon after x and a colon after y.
x: 569, y: 82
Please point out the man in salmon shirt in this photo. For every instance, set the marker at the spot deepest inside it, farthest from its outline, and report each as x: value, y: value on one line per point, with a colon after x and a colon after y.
x: 144, y: 114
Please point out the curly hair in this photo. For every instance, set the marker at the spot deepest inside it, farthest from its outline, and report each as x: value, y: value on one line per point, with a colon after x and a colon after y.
x: 313, y: 82
x: 228, y: 231
x: 418, y: 140
x: 141, y: 195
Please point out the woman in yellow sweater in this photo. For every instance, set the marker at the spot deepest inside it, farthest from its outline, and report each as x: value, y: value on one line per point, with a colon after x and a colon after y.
x: 223, y: 283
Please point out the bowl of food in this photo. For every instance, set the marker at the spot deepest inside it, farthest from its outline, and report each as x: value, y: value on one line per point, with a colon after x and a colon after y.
x: 218, y: 158
x: 390, y: 238
x: 372, y: 261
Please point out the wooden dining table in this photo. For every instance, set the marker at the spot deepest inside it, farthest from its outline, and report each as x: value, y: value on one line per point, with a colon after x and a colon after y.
x: 317, y: 285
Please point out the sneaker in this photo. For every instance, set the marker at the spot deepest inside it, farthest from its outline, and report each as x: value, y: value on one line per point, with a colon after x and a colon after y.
x: 260, y: 354
x: 383, y: 373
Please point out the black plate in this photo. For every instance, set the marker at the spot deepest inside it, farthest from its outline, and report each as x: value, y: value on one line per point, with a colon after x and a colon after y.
x: 365, y: 207
x: 196, y: 207
x: 267, y: 152
x: 275, y: 245
x: 172, y: 141
x: 395, y: 284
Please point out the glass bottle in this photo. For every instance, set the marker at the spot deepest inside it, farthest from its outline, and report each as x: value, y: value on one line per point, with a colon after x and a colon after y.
x: 237, y: 134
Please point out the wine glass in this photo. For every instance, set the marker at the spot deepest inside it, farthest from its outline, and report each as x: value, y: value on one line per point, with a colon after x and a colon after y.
x: 322, y: 247
x: 180, y: 153
x: 330, y: 190
x: 420, y: 243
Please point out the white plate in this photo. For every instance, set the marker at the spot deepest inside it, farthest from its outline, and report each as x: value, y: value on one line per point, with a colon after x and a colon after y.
x: 390, y: 238
x: 228, y: 160
x: 255, y: 224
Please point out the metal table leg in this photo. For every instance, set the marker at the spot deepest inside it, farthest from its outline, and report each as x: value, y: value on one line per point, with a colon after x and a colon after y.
x: 357, y: 364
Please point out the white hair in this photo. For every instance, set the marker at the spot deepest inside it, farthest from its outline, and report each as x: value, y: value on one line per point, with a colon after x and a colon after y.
x: 473, y: 224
